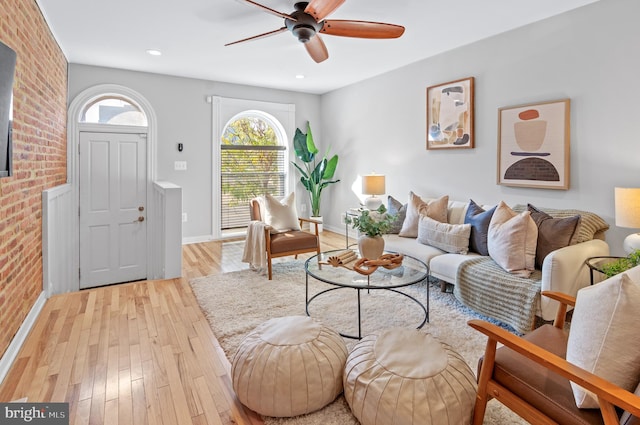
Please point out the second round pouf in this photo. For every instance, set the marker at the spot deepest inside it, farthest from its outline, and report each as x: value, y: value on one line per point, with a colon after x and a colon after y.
x: 407, y: 377
x: 289, y: 366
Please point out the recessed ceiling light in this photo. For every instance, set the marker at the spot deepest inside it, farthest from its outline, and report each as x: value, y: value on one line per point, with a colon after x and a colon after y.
x: 300, y: 76
x: 154, y: 52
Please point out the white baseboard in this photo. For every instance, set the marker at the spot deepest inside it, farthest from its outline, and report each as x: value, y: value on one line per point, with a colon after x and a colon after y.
x: 14, y: 348
x: 197, y: 239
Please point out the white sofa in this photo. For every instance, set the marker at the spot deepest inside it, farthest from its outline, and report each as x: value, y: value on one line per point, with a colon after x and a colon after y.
x: 563, y: 270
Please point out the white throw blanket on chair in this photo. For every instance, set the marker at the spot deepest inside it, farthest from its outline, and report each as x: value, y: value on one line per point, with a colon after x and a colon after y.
x: 255, y: 252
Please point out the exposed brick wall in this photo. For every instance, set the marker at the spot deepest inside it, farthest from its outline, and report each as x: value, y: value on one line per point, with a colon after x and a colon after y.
x: 39, y: 157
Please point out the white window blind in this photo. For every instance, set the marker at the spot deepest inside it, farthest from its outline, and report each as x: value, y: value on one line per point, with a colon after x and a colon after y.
x: 248, y: 171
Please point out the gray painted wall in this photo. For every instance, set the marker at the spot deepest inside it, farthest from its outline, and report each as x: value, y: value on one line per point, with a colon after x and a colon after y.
x: 589, y: 55
x: 185, y: 116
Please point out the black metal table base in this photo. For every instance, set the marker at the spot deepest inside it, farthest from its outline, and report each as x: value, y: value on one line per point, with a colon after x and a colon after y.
x: 359, y: 336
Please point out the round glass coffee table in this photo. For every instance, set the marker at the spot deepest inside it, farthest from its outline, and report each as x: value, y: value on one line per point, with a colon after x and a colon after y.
x: 411, y: 272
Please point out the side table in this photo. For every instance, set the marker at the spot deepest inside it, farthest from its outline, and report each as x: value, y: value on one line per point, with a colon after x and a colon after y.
x: 595, y: 264
x: 350, y: 213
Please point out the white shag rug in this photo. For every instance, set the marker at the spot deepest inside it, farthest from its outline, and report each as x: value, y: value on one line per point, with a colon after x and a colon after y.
x: 235, y: 303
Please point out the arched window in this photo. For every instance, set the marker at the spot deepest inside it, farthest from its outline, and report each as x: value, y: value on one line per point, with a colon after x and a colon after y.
x: 114, y: 111
x: 253, y: 153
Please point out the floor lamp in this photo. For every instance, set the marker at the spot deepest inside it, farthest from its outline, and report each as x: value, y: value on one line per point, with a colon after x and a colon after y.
x: 373, y: 184
x: 628, y: 215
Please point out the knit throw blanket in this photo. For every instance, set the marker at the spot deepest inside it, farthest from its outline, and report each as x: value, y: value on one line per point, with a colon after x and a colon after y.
x: 482, y: 285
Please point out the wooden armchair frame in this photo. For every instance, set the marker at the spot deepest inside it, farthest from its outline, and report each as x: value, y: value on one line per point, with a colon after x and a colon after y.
x: 609, y: 395
x: 268, y: 237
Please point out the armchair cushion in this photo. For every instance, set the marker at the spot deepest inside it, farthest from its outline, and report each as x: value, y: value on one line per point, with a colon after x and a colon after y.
x: 281, y: 215
x: 534, y: 383
x: 295, y: 240
x: 604, y: 338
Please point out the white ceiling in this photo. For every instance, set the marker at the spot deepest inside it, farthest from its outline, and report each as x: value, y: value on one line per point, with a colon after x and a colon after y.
x: 191, y: 35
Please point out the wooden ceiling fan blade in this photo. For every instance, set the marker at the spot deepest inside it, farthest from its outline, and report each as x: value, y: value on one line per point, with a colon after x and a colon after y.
x: 269, y: 10
x: 259, y: 36
x: 320, y: 9
x: 361, y: 29
x: 317, y: 49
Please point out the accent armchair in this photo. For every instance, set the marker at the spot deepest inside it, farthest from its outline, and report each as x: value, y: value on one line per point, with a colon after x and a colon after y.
x: 531, y: 377
x: 290, y: 242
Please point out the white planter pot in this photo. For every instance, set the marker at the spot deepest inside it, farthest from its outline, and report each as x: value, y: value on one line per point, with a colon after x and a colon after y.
x: 318, y: 218
x: 371, y: 248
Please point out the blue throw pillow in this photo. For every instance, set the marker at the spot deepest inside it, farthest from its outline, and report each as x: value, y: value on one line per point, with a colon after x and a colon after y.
x: 479, y: 220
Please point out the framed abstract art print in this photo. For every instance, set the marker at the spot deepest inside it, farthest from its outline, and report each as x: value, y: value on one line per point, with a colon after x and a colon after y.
x: 533, y: 145
x: 450, y: 115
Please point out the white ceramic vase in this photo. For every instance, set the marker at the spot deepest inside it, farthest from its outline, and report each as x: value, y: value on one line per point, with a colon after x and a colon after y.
x: 371, y: 247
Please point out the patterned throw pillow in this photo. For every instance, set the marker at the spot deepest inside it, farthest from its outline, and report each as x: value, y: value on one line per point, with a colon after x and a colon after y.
x: 479, y: 220
x: 395, y: 207
x: 452, y: 238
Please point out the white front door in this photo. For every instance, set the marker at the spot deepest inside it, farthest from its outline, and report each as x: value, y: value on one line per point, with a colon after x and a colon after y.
x: 113, y: 195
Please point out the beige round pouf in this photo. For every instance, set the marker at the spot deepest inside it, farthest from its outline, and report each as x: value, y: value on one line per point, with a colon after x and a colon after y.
x: 402, y: 376
x: 289, y: 366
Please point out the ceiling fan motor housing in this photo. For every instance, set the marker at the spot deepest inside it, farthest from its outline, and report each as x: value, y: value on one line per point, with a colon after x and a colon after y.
x: 305, y: 26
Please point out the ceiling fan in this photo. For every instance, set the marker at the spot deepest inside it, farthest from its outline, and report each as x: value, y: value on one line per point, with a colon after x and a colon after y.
x: 307, y: 21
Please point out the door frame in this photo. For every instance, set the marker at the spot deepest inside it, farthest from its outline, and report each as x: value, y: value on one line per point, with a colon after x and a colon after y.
x: 74, y: 127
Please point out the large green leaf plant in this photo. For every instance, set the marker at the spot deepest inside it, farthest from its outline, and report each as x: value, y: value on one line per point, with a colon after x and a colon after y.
x: 315, y: 173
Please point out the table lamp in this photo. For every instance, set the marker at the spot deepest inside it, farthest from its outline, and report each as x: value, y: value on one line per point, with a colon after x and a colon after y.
x: 373, y: 184
x: 627, y: 202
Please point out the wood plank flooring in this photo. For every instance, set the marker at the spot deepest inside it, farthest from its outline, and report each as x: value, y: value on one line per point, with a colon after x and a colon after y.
x: 136, y: 353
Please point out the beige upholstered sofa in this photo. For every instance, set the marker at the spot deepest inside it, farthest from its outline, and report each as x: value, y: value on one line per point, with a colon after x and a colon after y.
x: 493, y: 291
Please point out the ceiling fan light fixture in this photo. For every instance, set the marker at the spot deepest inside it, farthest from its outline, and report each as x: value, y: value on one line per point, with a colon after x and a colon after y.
x: 303, y: 33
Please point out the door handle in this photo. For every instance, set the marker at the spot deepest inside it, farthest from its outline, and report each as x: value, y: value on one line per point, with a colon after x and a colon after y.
x: 140, y: 208
x: 140, y: 219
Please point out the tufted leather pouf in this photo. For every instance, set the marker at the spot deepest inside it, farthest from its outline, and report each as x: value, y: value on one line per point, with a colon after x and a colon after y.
x: 402, y: 377
x: 289, y: 366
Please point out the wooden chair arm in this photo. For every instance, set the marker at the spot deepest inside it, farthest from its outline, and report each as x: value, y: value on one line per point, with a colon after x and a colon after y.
x: 608, y: 394
x: 564, y: 300
x: 310, y: 221
x: 560, y: 297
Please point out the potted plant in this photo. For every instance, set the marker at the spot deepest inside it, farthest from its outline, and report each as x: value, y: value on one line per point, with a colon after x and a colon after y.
x: 316, y: 174
x: 372, y: 225
x: 622, y: 264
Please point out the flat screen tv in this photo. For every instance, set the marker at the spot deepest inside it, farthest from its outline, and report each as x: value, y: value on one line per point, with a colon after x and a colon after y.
x: 7, y: 71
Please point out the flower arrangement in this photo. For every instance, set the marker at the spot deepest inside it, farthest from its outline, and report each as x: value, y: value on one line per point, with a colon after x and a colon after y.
x: 372, y: 223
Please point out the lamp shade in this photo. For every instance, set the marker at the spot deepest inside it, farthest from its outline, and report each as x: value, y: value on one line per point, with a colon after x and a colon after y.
x: 373, y: 184
x: 627, y: 207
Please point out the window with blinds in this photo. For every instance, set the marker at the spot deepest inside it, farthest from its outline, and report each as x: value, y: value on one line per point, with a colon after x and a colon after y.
x: 252, y: 163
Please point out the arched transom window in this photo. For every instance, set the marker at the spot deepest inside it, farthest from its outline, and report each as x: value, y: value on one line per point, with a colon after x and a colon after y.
x: 114, y: 111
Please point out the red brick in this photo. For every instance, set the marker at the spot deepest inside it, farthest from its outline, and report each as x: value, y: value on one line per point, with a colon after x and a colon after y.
x: 39, y: 142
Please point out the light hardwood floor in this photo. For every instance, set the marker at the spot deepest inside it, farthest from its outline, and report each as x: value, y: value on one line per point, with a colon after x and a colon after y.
x: 136, y: 353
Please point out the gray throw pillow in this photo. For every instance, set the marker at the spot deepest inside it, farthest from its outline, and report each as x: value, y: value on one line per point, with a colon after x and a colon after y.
x: 479, y: 220
x: 553, y: 233
x: 398, y: 209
